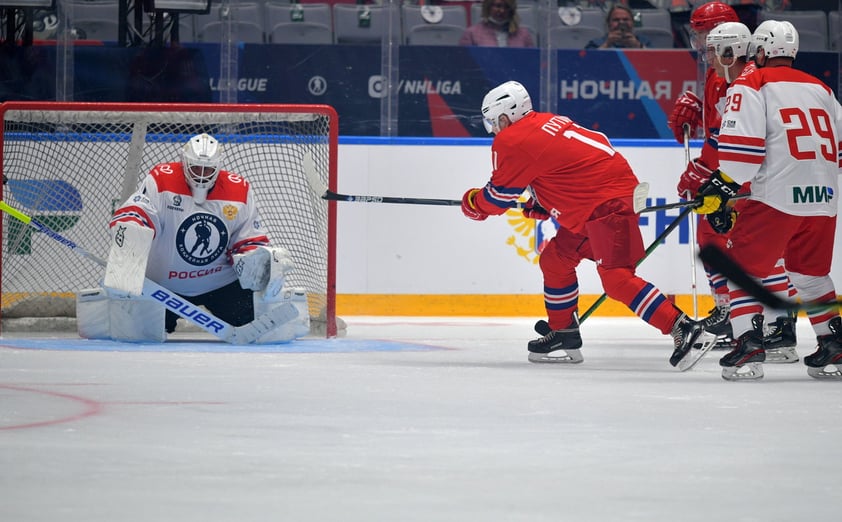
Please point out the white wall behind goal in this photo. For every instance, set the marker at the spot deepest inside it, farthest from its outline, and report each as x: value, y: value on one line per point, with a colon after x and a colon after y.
x: 419, y: 249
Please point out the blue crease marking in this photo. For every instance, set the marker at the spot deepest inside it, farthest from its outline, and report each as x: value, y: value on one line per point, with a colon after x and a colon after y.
x: 189, y: 346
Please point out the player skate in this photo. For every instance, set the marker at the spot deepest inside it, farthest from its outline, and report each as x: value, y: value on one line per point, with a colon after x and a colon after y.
x: 556, y: 346
x: 686, y: 335
x: 745, y: 361
x: 780, y: 342
x: 826, y: 362
x: 719, y: 324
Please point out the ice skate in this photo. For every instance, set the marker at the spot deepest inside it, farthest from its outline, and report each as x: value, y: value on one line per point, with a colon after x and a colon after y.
x: 718, y: 323
x: 556, y: 346
x: 780, y: 342
x: 826, y: 362
x: 688, y: 334
x: 745, y: 361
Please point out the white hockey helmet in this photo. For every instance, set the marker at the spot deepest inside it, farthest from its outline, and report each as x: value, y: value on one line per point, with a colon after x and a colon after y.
x: 777, y: 38
x: 202, y: 157
x: 509, y: 98
x: 729, y: 40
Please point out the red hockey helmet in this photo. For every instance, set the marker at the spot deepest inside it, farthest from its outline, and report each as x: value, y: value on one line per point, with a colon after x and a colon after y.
x: 709, y: 15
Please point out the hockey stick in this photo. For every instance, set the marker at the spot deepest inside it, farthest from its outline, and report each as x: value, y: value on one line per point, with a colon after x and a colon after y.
x: 732, y: 271
x: 694, y: 287
x: 651, y: 248
x: 684, y: 204
x: 324, y: 192
x: 246, y: 334
x: 316, y: 184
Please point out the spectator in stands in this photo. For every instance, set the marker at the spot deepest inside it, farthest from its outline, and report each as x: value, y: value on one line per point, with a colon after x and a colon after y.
x: 498, y: 27
x: 620, y: 35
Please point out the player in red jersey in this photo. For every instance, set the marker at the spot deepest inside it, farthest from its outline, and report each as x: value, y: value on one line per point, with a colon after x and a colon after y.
x: 575, y: 176
x: 780, y: 132
x: 723, y: 69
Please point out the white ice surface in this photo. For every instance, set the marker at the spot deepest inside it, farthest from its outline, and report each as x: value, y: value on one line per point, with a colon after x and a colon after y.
x: 472, y: 432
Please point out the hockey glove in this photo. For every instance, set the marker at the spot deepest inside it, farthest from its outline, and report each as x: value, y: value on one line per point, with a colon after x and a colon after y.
x: 687, y: 109
x: 696, y: 175
x: 715, y: 193
x: 533, y: 210
x: 469, y: 207
x: 722, y: 221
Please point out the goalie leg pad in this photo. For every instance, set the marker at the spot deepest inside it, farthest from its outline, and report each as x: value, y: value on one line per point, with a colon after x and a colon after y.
x: 127, y: 259
x: 92, y: 317
x: 263, y: 268
x: 298, y: 327
x: 137, y: 320
x: 130, y: 319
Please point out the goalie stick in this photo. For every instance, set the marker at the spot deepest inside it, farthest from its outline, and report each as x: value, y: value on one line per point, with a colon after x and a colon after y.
x: 245, y: 334
x: 732, y: 271
x: 318, y: 187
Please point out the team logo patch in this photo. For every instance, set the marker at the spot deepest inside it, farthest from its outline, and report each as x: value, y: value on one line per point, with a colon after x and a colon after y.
x: 201, y: 239
x: 229, y: 211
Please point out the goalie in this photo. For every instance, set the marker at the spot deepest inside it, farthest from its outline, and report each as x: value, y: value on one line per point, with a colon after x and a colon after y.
x: 195, y: 229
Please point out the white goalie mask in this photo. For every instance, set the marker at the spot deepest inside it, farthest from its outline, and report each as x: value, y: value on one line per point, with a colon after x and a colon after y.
x: 201, y: 156
x: 776, y: 38
x: 510, y: 99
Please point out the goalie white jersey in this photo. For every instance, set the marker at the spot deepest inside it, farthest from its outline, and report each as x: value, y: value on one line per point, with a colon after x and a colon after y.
x: 193, y: 245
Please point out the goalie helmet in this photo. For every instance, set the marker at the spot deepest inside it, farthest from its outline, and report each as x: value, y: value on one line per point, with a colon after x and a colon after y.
x: 776, y: 38
x: 201, y: 156
x: 510, y: 99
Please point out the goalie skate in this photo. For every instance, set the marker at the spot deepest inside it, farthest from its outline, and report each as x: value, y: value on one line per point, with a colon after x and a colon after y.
x: 556, y: 346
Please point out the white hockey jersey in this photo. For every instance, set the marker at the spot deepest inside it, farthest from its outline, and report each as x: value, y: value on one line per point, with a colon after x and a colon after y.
x: 780, y: 130
x: 191, y: 252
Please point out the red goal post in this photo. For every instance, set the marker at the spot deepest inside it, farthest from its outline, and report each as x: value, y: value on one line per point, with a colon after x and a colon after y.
x: 69, y: 165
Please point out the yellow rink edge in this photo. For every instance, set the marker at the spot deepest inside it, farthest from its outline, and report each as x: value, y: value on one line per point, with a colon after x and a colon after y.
x: 487, y: 305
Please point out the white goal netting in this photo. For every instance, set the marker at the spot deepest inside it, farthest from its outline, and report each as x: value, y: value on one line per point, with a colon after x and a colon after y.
x: 69, y: 165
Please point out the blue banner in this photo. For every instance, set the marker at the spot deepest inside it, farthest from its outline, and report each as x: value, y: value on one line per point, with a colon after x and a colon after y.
x: 626, y: 94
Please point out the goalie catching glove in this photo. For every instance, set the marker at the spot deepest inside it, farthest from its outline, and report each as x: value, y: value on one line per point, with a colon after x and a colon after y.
x: 687, y: 109
x: 714, y: 194
x: 263, y: 269
x: 469, y: 207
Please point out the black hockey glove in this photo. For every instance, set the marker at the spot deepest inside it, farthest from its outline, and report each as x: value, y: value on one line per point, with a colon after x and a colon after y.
x: 722, y: 221
x: 715, y: 193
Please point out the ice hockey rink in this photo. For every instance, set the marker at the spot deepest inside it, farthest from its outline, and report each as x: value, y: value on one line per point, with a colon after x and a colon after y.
x: 409, y: 419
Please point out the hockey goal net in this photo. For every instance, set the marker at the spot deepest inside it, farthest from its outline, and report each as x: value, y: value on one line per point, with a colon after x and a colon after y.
x: 69, y: 165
